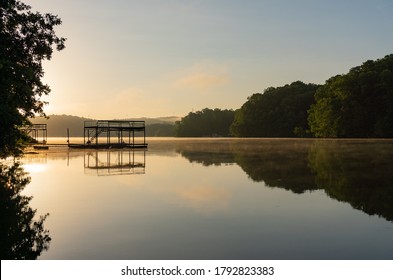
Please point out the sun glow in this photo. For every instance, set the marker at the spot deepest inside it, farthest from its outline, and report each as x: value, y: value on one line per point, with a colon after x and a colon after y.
x: 35, y: 168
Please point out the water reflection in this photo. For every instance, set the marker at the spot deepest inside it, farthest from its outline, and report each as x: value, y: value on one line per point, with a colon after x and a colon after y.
x: 356, y: 172
x: 361, y: 175
x: 110, y: 163
x: 21, y: 237
x: 238, y: 199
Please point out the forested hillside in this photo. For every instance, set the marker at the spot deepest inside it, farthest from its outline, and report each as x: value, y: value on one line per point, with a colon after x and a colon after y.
x: 278, y: 112
x: 205, y: 123
x: 356, y: 104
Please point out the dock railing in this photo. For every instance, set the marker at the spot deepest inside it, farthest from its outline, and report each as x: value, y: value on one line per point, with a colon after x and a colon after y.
x: 115, y: 124
x: 124, y: 132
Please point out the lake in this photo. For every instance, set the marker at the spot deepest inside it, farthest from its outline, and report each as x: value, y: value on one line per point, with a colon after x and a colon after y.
x: 217, y: 199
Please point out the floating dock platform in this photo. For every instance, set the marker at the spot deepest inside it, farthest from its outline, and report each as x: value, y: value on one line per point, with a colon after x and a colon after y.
x: 38, y: 134
x: 112, y: 134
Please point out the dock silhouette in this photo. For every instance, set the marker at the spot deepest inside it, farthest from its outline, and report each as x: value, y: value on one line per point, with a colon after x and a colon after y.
x: 108, y: 134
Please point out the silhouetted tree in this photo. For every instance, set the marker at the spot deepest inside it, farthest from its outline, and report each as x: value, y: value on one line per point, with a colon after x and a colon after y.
x: 26, y: 39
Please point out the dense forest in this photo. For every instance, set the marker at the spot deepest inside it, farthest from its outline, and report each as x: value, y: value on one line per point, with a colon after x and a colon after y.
x: 278, y: 112
x: 205, y: 123
x: 356, y: 104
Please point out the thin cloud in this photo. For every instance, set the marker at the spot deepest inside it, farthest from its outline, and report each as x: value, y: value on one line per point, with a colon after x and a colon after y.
x: 202, y: 77
x: 201, y: 81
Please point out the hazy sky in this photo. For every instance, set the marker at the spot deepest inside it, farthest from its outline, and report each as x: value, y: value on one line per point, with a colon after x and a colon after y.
x: 153, y: 58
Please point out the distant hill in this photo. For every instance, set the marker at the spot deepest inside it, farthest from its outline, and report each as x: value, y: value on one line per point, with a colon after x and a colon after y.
x: 58, y: 124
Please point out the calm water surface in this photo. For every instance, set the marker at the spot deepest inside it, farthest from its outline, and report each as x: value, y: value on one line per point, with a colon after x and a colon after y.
x: 217, y: 199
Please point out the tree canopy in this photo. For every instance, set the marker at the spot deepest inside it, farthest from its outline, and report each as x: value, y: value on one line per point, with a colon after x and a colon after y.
x: 356, y: 104
x: 26, y: 39
x: 278, y: 112
x: 207, y: 122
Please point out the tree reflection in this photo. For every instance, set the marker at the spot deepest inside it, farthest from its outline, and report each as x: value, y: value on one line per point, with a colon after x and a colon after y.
x: 283, y: 167
x: 209, y: 158
x: 21, y: 237
x: 278, y: 163
x: 357, y: 172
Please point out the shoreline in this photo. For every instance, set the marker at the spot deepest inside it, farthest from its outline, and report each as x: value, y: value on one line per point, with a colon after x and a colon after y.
x: 59, y: 144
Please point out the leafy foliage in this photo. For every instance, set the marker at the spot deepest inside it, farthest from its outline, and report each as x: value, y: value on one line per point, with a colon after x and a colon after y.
x: 207, y: 122
x: 26, y: 39
x: 278, y: 112
x: 357, y: 104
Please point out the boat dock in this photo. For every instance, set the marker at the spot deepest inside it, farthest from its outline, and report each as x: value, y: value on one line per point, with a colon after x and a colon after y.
x: 108, y: 134
x: 38, y: 134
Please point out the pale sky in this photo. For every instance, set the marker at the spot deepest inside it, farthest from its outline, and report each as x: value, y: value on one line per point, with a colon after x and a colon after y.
x: 151, y: 58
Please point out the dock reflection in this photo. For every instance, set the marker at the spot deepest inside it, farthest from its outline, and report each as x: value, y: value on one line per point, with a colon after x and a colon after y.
x: 113, y: 163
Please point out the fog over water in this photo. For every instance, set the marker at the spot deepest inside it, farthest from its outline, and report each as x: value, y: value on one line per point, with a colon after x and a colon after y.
x: 217, y: 199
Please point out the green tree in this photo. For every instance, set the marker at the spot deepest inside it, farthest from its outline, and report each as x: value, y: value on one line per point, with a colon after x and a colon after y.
x: 26, y: 39
x: 278, y: 112
x: 357, y: 104
x: 205, y: 123
x: 325, y: 118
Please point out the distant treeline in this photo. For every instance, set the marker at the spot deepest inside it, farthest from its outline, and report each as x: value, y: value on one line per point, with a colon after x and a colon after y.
x: 356, y: 104
x: 206, y: 123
